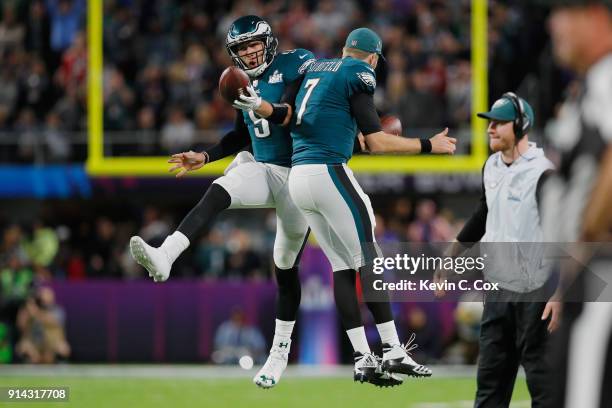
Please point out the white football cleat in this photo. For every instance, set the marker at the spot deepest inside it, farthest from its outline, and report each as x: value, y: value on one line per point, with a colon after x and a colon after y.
x: 154, y: 260
x: 396, y: 359
x: 365, y: 366
x: 275, y: 365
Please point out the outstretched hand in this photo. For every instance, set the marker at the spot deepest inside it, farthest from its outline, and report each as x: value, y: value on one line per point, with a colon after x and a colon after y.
x: 187, y: 161
x: 443, y: 144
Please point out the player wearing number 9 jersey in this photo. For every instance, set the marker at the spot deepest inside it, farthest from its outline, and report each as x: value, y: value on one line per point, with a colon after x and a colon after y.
x: 257, y: 180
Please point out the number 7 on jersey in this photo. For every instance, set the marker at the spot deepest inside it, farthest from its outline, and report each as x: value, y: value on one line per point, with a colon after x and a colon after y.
x: 310, y: 85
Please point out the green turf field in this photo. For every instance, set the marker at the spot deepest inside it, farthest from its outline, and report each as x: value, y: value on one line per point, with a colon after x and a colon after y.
x: 230, y: 393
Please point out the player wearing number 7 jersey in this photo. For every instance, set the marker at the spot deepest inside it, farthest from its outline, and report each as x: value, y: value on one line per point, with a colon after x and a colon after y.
x: 257, y: 180
x: 335, y: 100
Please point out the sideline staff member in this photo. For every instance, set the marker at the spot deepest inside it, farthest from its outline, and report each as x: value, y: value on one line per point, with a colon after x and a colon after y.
x: 512, y: 332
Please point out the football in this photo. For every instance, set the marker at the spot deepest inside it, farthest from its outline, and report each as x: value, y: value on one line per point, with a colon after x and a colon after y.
x: 232, y: 82
x: 391, y: 124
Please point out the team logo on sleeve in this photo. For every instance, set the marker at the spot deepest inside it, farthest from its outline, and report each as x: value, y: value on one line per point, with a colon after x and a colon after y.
x: 302, y: 69
x: 367, y: 78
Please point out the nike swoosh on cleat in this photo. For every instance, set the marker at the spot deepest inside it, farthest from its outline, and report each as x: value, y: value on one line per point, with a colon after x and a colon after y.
x: 303, y: 56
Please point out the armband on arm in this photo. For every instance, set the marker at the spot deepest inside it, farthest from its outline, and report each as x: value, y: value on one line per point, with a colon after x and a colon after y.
x: 425, y: 146
x: 279, y: 113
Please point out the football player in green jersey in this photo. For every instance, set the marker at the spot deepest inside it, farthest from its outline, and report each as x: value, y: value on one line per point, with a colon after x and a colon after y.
x: 336, y: 100
x: 257, y: 180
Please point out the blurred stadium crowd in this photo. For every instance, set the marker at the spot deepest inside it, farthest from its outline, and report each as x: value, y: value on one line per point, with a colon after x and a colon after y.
x: 162, y: 60
x: 238, y: 247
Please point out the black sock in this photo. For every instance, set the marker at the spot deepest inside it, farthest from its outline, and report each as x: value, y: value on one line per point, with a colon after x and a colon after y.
x: 381, y: 309
x: 199, y: 219
x: 345, y: 294
x: 289, y: 293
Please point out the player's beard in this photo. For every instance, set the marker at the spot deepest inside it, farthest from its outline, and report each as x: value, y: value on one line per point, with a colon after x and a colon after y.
x: 500, y: 144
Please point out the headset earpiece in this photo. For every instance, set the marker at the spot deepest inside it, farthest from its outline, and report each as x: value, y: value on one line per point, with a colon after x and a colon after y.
x: 518, y: 123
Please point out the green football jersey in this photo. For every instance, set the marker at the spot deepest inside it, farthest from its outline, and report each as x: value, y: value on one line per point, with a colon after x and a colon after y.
x: 272, y: 143
x: 323, y: 128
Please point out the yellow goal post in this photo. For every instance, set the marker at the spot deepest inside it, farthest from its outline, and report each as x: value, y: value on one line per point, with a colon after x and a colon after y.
x: 98, y: 164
